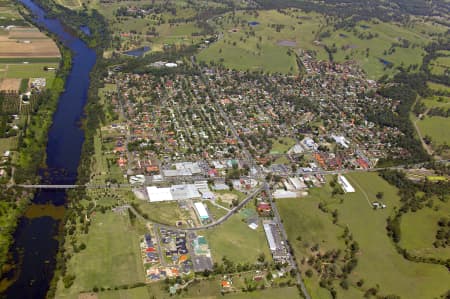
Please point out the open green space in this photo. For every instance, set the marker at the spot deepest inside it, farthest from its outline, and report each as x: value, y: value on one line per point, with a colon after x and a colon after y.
x: 135, y: 293
x: 282, y: 145
x: 379, y: 38
x: 210, y: 289
x: 438, y: 87
x: 111, y: 258
x: 8, y: 144
x: 440, y: 65
x: 236, y: 241
x: 419, y: 231
x: 259, y: 47
x: 378, y: 261
x: 437, y: 128
x: 30, y: 70
x: 162, y: 212
x: 437, y: 101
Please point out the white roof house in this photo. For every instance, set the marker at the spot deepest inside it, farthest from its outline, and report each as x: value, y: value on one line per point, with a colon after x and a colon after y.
x: 348, y: 188
x: 341, y: 141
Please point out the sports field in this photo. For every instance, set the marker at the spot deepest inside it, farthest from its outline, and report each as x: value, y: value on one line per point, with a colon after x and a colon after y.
x: 378, y: 261
x: 111, y: 258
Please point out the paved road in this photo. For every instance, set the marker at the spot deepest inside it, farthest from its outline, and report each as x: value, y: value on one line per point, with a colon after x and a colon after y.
x: 207, y: 226
x: 284, y: 235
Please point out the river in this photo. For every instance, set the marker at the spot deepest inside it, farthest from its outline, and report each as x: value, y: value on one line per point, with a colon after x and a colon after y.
x: 35, y: 244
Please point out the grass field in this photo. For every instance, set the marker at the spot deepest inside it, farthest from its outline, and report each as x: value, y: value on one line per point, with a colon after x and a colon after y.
x: 438, y: 87
x: 351, y: 45
x: 418, y: 231
x: 241, y: 50
x: 378, y: 261
x: 210, y: 289
x: 163, y: 212
x: 437, y: 101
x: 8, y: 144
x: 437, y: 128
x: 136, y: 293
x: 282, y: 145
x: 31, y: 70
x: 440, y: 65
x: 235, y: 240
x: 111, y: 257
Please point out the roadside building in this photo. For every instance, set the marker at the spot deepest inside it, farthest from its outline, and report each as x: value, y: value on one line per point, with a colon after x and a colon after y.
x: 201, y: 211
x: 348, y: 188
x: 156, y: 194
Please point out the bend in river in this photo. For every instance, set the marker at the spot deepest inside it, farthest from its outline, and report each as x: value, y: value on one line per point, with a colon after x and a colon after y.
x: 35, y: 244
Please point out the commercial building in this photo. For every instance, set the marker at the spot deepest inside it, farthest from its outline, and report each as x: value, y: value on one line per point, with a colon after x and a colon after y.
x: 201, y: 211
x: 348, y: 188
x: 156, y: 194
x: 276, y: 245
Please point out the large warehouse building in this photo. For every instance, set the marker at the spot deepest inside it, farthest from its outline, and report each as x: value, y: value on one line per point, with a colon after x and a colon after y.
x: 201, y: 211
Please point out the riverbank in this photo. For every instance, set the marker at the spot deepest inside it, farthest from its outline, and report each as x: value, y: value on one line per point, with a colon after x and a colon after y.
x: 35, y: 246
x: 32, y: 154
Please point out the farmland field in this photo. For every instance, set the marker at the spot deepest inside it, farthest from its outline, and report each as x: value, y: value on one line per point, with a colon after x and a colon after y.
x: 27, y: 42
x: 111, y: 257
x: 378, y: 261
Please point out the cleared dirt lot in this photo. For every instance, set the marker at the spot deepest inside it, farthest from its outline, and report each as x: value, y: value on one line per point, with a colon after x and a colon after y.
x: 10, y: 84
x: 26, y: 42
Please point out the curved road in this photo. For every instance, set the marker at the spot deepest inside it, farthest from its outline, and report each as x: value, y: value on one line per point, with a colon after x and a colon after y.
x: 207, y: 226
